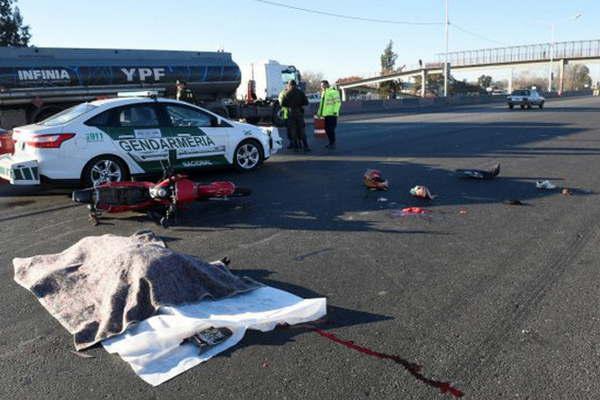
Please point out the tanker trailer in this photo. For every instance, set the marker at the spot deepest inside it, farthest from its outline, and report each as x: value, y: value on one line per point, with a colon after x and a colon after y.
x: 38, y: 82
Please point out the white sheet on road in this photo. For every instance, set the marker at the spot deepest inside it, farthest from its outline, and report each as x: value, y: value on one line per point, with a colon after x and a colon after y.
x: 153, y: 347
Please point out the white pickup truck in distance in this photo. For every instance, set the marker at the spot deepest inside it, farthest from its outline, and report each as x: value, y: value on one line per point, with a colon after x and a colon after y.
x: 525, y: 98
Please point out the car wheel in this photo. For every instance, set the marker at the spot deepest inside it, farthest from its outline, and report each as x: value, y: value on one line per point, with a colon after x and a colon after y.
x: 248, y: 155
x: 511, y: 106
x: 253, y: 120
x: 522, y: 106
x: 528, y: 106
x: 104, y: 169
x: 542, y: 105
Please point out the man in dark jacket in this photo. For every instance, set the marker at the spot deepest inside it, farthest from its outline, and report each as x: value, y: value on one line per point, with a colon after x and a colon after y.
x: 295, y: 100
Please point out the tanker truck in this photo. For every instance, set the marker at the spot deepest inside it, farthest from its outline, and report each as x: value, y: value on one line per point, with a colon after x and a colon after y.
x: 38, y: 82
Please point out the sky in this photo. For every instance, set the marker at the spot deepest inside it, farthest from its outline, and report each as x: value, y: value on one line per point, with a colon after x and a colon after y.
x: 254, y: 31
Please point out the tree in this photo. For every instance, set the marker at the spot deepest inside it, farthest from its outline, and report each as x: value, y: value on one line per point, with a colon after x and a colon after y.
x: 484, y: 81
x: 434, y: 85
x: 388, y: 63
x: 577, y: 76
x: 348, y: 79
x: 12, y: 30
x: 313, y: 81
x: 526, y: 80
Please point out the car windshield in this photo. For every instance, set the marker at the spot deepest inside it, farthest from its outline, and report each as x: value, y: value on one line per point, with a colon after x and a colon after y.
x: 68, y: 115
x: 520, y: 92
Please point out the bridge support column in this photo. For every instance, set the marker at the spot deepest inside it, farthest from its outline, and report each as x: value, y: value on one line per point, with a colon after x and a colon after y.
x: 510, y: 79
x: 561, y: 75
x: 423, y: 82
x: 343, y: 94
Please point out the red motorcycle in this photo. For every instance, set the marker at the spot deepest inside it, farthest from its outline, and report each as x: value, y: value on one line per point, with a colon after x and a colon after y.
x: 160, y: 200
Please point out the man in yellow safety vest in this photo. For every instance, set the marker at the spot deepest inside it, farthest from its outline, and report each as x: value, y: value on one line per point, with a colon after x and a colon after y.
x: 283, y: 114
x: 329, y: 108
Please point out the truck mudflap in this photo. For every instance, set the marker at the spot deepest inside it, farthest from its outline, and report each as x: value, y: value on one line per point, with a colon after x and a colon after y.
x: 19, y: 172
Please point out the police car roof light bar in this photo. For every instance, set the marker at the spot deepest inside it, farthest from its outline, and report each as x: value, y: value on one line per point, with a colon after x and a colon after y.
x: 146, y: 93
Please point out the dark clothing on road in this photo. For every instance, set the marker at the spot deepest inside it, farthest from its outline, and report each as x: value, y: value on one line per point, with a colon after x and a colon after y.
x: 295, y: 100
x: 330, y: 124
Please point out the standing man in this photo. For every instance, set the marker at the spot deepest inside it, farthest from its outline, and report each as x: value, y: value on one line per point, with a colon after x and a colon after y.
x: 329, y: 108
x: 283, y: 113
x: 183, y: 93
x: 295, y: 100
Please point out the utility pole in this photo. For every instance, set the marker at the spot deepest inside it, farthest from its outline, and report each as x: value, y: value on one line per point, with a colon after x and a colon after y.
x: 552, y: 27
x: 446, y: 55
x: 551, y: 60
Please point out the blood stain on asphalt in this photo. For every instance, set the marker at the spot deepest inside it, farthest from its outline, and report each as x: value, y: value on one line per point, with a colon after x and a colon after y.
x: 412, y: 368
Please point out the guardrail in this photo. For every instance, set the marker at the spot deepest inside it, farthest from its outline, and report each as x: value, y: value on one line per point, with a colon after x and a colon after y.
x: 416, y: 104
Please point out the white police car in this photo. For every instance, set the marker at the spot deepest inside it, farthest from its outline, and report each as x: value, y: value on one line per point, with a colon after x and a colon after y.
x: 136, y: 133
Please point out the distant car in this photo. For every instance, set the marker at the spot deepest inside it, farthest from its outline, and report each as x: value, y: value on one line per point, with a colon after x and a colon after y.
x: 138, y: 134
x: 499, y: 92
x: 525, y: 98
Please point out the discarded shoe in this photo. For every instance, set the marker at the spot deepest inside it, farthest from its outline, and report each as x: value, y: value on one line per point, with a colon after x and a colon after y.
x: 479, y: 173
x: 546, y: 185
x: 422, y: 192
x: 374, y: 181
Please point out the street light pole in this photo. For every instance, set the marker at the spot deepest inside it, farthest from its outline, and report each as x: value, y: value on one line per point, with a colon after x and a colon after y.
x: 552, y: 27
x: 446, y: 55
x: 551, y: 50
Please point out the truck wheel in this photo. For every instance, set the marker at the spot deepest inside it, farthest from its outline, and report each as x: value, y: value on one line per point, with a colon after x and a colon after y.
x: 253, y: 120
x: 542, y: 105
x: 248, y: 155
x: 45, y: 112
x: 103, y: 169
x: 522, y: 106
x: 221, y: 111
x: 511, y: 106
x: 528, y: 106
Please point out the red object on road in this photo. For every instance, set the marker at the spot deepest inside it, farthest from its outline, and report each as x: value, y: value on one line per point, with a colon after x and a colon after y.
x: 7, y: 145
x: 414, y: 210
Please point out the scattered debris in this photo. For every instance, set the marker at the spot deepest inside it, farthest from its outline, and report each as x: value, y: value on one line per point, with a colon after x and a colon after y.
x: 382, y: 200
x: 462, y: 211
x: 265, y: 364
x: 82, y: 354
x: 422, y: 192
x: 546, y: 185
x: 479, y: 173
x: 410, y: 211
x: 374, y: 181
x: 208, y: 338
x: 566, y: 192
x: 514, y: 202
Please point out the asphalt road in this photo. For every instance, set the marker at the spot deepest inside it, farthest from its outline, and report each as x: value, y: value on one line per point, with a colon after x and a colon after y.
x: 500, y: 301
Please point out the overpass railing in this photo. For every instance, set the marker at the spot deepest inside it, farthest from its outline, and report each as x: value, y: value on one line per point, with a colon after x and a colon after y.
x: 524, y: 53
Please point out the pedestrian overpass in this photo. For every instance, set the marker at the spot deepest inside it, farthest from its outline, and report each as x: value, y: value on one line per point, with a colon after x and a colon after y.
x: 495, y: 58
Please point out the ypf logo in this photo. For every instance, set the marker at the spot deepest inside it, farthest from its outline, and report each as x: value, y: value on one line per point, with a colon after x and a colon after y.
x: 143, y: 73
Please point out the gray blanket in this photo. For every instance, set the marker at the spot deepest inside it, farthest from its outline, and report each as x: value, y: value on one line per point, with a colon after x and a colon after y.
x: 102, y: 284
